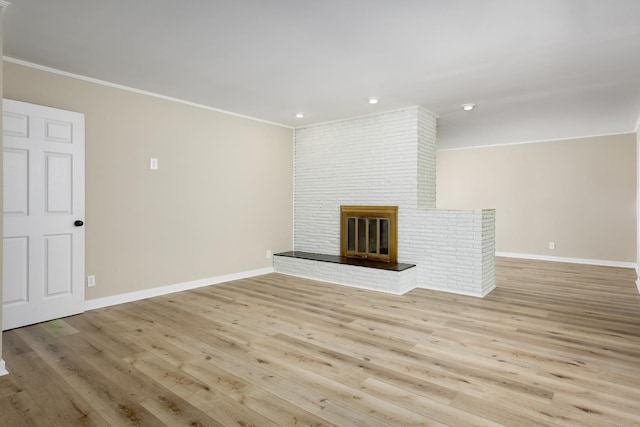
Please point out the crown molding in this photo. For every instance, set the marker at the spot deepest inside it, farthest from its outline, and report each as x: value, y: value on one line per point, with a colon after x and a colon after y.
x: 539, y: 141
x: 134, y: 90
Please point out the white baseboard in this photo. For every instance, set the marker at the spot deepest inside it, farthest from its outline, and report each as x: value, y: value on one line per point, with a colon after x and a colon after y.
x: 3, y: 369
x: 601, y: 262
x: 169, y: 289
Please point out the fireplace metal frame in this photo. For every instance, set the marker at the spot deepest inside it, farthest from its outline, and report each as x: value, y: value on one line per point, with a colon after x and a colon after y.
x: 387, y: 212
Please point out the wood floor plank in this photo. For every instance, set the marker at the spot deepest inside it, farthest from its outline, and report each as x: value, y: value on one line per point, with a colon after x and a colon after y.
x: 19, y: 409
x: 304, y: 399
x: 554, y: 344
x: 445, y: 414
x: 365, y: 407
x: 254, y: 397
x: 112, y: 402
x: 222, y: 409
x: 60, y: 403
x: 352, y: 364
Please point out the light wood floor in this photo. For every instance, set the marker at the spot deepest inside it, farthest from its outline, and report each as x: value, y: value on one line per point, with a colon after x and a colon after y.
x: 554, y: 344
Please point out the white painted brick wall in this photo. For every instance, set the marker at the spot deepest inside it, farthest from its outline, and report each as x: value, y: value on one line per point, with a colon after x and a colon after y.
x: 426, y: 160
x: 488, y: 251
x: 389, y: 159
x: 394, y: 282
x: 453, y: 250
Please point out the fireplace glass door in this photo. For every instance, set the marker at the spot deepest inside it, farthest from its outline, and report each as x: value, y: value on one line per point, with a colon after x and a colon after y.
x: 369, y: 232
x: 367, y: 236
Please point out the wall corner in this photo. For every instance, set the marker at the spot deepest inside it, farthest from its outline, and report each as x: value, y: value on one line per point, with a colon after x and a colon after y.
x: 3, y: 5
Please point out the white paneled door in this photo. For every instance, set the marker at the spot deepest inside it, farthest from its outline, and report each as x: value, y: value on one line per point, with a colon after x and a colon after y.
x: 43, y: 245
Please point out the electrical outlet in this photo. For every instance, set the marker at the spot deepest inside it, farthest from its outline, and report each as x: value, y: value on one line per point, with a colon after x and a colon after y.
x: 91, y: 281
x: 153, y: 164
x: 552, y: 245
x: 269, y: 254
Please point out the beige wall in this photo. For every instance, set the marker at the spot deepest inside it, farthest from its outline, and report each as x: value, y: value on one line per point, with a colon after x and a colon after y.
x: 222, y: 196
x: 580, y: 194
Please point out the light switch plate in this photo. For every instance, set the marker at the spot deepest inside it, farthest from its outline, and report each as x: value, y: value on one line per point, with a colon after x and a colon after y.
x: 153, y: 164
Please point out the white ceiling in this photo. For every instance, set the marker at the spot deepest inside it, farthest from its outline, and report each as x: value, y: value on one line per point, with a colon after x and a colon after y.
x: 538, y: 69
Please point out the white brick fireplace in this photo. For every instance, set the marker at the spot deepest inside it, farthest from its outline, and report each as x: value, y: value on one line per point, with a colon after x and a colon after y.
x: 387, y: 159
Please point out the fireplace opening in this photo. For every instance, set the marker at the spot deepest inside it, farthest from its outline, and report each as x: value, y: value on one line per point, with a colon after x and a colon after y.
x: 369, y: 232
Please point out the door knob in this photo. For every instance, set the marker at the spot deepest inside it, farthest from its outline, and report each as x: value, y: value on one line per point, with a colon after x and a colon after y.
x: 78, y: 223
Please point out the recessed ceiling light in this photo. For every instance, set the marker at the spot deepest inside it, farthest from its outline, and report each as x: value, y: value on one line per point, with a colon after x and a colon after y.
x: 299, y: 115
x: 468, y: 106
x: 373, y: 100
